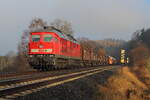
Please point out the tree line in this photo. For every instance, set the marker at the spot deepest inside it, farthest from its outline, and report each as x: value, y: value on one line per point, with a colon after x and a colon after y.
x: 139, y: 48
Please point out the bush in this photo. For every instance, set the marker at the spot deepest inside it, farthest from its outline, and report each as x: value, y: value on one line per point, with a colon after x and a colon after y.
x: 5, y: 62
x: 13, y: 64
x: 148, y: 64
x: 139, y: 55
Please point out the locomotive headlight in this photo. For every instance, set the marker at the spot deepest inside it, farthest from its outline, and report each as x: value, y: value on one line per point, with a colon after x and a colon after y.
x: 30, y: 55
x: 41, y: 46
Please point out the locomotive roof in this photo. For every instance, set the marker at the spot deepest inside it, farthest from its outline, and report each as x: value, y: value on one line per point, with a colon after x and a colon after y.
x: 58, y: 32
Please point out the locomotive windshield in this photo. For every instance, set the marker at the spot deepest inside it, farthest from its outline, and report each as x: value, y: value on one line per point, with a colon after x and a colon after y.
x: 35, y: 38
x: 47, y: 38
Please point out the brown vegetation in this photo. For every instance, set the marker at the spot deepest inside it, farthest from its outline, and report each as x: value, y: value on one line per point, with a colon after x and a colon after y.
x: 5, y: 62
x: 13, y: 64
x: 112, y: 47
x: 139, y: 55
x: 124, y: 85
x: 143, y: 74
x: 139, y: 48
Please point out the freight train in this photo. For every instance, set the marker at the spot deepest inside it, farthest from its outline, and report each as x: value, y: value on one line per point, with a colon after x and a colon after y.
x: 49, y: 48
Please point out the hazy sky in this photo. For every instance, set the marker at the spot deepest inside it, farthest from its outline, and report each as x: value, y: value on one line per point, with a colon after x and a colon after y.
x: 95, y: 19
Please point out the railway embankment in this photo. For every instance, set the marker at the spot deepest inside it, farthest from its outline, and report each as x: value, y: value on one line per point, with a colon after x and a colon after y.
x: 119, y: 84
x: 128, y: 83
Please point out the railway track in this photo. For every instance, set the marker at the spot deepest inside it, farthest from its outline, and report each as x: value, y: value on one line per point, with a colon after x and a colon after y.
x: 4, y: 75
x: 10, y: 89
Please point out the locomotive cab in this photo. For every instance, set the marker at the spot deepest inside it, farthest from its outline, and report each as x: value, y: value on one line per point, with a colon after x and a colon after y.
x: 42, y: 43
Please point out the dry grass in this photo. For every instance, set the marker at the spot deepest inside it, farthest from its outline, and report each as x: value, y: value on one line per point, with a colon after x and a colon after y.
x: 143, y: 74
x: 124, y: 85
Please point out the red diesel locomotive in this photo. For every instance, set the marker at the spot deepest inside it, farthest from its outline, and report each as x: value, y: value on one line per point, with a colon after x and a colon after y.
x: 50, y: 48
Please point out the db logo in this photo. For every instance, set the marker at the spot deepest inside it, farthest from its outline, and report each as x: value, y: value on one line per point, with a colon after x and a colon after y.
x: 41, y: 50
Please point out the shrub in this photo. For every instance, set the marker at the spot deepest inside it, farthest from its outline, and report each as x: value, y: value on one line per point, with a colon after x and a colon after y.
x: 140, y: 55
x: 148, y: 64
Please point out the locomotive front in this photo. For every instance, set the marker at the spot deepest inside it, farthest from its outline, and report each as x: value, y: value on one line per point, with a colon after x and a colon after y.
x: 42, y: 47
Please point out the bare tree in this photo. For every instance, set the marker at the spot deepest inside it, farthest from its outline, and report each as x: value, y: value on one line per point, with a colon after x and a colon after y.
x: 23, y: 45
x: 144, y: 37
x: 63, y: 25
x: 37, y: 24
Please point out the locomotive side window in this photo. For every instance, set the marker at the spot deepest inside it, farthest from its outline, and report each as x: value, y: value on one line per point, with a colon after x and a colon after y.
x: 35, y: 38
x: 47, y: 38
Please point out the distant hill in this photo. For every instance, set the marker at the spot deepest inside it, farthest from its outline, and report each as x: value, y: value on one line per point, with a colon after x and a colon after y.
x: 110, y: 42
